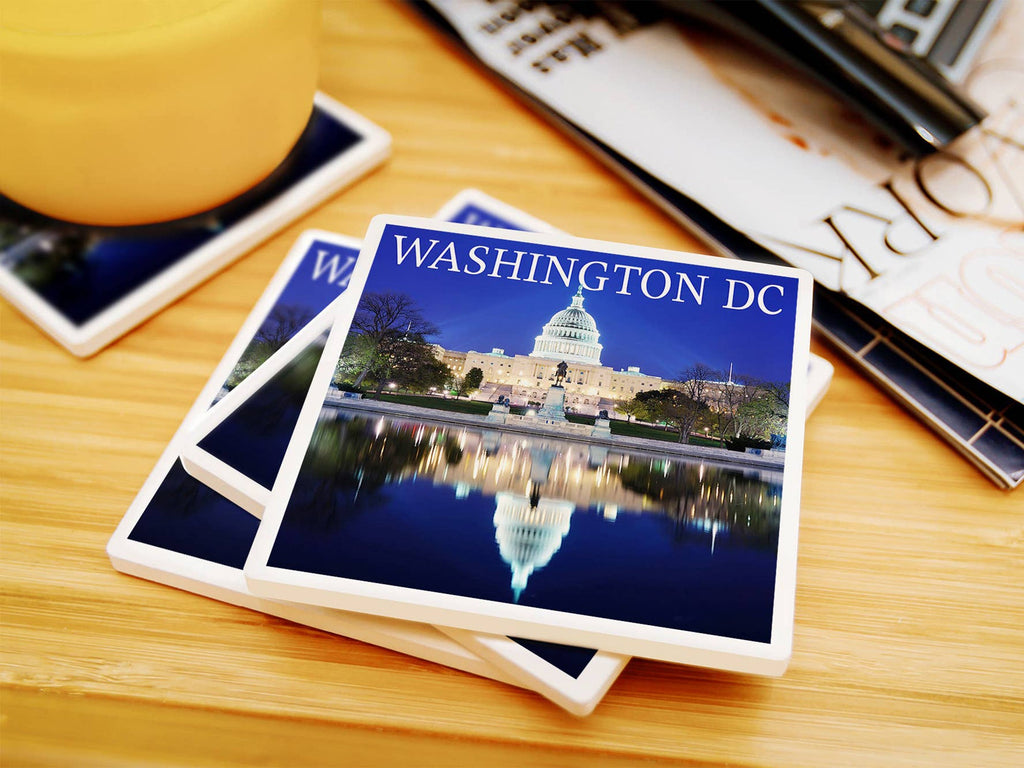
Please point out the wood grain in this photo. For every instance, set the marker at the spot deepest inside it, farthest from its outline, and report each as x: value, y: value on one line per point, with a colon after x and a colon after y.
x: 908, y: 646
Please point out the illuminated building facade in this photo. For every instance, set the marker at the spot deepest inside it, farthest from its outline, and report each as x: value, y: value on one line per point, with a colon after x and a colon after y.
x: 570, y: 336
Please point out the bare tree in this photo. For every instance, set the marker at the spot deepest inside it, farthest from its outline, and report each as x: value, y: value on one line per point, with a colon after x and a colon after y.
x: 384, y: 316
x: 281, y: 324
x: 696, y: 380
x: 696, y: 385
x: 730, y: 397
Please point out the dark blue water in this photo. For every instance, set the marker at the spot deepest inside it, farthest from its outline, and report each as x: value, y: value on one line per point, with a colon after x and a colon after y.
x: 185, y: 516
x: 86, y: 269
x: 568, y: 658
x: 636, y: 538
x: 254, y: 438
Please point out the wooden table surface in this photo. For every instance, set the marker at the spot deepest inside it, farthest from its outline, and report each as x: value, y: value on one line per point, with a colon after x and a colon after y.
x: 909, y: 609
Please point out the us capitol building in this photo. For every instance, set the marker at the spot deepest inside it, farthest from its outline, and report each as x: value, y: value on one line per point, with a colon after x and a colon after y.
x: 570, y: 336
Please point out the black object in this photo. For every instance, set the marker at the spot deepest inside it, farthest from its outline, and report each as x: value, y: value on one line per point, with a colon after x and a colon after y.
x: 865, y: 65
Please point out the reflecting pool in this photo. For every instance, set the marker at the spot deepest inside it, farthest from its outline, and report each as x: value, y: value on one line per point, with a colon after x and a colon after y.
x: 543, y: 521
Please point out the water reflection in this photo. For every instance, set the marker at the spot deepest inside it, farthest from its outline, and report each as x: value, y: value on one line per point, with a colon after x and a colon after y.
x: 410, y: 503
x: 529, y: 531
x: 365, y: 454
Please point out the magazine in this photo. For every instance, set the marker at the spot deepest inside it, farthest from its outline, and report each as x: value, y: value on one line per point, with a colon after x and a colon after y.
x: 918, y: 261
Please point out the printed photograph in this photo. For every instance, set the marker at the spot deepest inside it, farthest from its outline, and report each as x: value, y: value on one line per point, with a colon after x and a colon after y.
x: 552, y: 427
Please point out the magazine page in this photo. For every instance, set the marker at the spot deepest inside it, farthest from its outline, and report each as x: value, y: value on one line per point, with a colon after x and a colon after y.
x: 933, y: 245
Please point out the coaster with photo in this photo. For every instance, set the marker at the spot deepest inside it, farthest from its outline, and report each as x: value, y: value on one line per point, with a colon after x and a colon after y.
x: 433, y: 508
x: 239, y: 454
x: 181, y: 533
x: 85, y: 286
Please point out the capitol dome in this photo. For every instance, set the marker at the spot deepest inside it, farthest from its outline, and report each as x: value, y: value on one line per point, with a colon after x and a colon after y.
x: 570, y: 335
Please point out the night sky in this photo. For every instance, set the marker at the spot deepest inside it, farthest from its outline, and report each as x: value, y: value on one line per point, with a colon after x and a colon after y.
x: 476, y: 312
x: 313, y: 289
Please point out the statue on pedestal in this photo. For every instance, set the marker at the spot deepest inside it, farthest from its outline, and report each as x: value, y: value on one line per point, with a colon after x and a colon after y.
x: 560, y: 372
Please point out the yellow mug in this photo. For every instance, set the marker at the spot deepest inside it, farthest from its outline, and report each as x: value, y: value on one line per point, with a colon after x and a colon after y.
x: 119, y: 112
